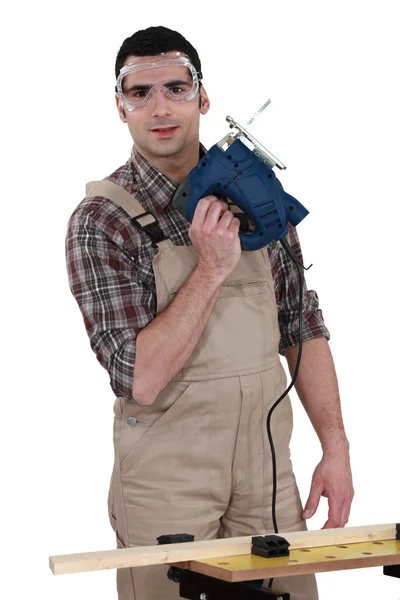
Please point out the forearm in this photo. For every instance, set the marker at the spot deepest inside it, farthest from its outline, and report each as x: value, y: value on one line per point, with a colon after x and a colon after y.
x: 163, y: 347
x: 317, y: 388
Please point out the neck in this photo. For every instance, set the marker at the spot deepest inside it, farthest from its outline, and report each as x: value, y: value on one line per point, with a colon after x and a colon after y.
x: 176, y: 167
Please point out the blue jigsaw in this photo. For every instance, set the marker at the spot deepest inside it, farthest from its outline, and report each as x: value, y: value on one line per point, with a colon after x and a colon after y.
x: 243, y: 176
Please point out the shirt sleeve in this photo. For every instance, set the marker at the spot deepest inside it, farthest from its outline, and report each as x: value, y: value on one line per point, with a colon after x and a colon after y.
x: 287, y: 295
x: 114, y: 303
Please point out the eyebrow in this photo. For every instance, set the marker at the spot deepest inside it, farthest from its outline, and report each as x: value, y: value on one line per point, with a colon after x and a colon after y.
x: 138, y: 88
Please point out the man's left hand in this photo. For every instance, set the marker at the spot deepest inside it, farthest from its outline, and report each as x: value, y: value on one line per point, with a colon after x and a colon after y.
x: 332, y: 479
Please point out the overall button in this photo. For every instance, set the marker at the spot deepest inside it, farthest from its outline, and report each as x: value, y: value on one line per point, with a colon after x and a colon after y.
x: 131, y: 421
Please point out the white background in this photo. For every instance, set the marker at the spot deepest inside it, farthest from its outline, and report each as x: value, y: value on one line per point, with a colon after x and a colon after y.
x: 331, y: 69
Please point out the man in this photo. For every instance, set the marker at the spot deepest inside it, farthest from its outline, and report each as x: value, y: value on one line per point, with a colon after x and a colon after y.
x: 189, y: 329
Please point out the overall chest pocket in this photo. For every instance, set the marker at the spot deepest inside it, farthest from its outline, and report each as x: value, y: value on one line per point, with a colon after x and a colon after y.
x: 242, y: 334
x: 175, y: 264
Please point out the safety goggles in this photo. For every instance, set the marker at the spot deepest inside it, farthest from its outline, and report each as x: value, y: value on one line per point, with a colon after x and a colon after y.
x: 172, y: 74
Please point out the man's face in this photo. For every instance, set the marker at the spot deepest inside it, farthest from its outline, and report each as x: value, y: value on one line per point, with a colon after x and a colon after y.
x: 164, y: 127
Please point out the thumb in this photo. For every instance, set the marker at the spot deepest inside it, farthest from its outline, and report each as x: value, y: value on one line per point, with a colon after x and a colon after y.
x: 313, y: 499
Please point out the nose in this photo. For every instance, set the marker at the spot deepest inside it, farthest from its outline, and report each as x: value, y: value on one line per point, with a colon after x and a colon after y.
x: 160, y: 104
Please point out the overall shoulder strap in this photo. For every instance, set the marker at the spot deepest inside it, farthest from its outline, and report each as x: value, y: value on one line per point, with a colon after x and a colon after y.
x: 118, y: 194
x: 141, y: 218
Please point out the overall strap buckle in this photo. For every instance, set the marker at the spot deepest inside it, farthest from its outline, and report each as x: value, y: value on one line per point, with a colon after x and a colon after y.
x: 151, y: 228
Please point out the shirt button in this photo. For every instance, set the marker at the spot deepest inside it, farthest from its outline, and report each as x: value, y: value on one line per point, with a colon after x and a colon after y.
x: 132, y: 421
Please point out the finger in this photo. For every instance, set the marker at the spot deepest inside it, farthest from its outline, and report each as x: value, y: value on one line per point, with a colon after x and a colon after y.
x: 215, y: 210
x: 235, y: 224
x: 225, y: 221
x: 335, y: 509
x: 219, y: 200
x: 346, y: 507
x: 317, y: 487
x: 344, y: 515
x: 201, y: 211
x: 225, y: 205
x: 331, y: 524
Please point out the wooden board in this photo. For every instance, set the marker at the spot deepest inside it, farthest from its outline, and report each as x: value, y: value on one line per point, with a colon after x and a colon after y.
x: 189, y: 551
x: 300, y: 562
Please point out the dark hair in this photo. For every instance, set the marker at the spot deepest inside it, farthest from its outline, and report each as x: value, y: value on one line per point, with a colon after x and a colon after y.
x: 153, y: 41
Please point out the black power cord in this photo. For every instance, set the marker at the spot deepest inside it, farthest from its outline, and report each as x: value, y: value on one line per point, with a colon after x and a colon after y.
x: 298, y: 265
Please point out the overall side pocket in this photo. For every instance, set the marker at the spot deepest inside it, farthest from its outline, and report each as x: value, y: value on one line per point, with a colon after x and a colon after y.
x: 148, y: 418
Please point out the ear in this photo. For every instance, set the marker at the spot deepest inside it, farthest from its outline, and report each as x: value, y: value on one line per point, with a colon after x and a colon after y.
x: 205, y: 102
x: 120, y: 108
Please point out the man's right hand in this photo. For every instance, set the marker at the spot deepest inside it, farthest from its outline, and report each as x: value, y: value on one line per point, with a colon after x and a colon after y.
x: 214, y: 233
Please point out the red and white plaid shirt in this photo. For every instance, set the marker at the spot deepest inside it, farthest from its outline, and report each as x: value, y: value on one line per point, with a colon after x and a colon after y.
x: 110, y: 271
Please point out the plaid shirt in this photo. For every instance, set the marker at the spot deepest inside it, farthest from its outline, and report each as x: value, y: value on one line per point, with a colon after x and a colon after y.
x: 110, y: 271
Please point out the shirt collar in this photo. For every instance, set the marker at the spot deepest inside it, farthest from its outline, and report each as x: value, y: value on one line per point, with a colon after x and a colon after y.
x: 155, y: 188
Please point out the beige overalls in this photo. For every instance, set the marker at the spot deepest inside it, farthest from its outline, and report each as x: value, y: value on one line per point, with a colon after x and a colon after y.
x: 198, y: 460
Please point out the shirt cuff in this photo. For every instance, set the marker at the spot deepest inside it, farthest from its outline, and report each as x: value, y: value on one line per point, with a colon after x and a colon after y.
x: 313, y: 324
x: 121, y: 368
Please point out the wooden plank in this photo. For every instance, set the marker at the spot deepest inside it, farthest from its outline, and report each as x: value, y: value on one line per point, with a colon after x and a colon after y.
x: 301, y: 562
x: 177, y: 553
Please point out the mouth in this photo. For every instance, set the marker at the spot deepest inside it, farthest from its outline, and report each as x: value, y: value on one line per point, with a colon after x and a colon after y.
x: 164, y: 132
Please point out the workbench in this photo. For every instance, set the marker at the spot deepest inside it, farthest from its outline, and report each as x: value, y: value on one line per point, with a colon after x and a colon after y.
x: 226, y: 568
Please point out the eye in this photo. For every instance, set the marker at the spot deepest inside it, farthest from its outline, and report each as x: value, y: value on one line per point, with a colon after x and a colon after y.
x: 182, y: 88
x: 135, y: 94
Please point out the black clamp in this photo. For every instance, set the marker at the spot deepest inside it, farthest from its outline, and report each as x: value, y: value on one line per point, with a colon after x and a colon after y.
x: 270, y: 546
x: 393, y: 570
x: 174, y: 573
x: 152, y: 229
x: 175, y: 538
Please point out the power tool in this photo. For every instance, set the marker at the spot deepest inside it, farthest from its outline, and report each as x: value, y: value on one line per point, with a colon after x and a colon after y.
x: 240, y: 169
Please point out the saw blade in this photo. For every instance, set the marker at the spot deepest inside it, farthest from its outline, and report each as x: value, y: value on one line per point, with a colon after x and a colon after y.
x: 260, y: 110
